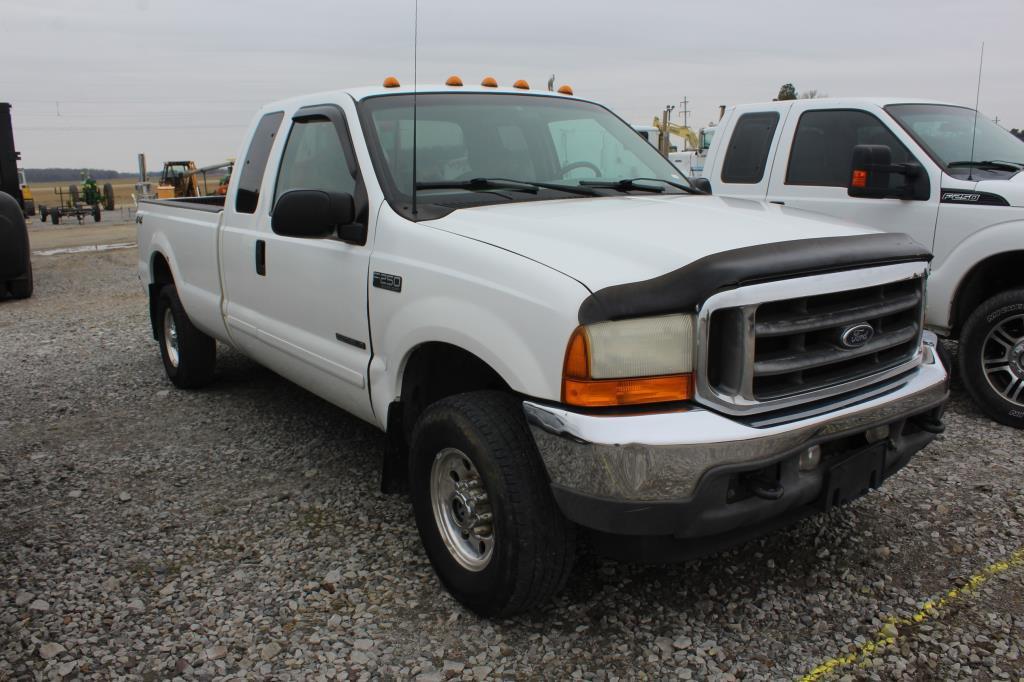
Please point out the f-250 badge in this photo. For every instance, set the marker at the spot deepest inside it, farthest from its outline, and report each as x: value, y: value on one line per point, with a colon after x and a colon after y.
x: 383, y: 280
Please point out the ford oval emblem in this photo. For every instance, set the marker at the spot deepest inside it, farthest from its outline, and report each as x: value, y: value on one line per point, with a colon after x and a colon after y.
x: 856, y: 335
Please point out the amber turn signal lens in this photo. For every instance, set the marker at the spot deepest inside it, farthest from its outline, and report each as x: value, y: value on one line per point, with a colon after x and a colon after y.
x: 859, y: 179
x: 489, y: 82
x: 454, y: 81
x: 521, y: 84
x: 579, y: 389
x: 391, y: 82
x: 577, y: 356
x: 565, y: 89
x: 610, y: 392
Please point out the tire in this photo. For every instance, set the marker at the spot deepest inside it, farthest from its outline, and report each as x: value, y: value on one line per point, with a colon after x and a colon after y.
x: 482, y: 437
x: 73, y: 193
x: 189, y: 355
x: 992, y: 357
x: 21, y: 288
x: 43, y: 213
x: 108, y: 197
x: 30, y: 208
x: 55, y: 217
x: 96, y: 215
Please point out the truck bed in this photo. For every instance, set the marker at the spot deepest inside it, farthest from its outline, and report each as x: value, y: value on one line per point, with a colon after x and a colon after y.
x: 212, y: 204
x: 185, y: 234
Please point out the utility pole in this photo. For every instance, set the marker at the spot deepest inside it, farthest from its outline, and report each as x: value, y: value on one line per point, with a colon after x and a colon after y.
x: 685, y: 113
x: 663, y: 141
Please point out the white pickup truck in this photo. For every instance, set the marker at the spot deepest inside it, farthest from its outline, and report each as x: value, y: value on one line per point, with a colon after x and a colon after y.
x: 917, y: 167
x: 553, y: 327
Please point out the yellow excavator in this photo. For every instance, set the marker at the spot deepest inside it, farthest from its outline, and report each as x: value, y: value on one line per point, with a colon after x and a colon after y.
x: 666, y: 128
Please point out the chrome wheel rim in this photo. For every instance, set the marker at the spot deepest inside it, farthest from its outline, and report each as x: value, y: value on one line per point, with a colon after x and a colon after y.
x: 462, y: 509
x: 171, y: 338
x: 1002, y: 358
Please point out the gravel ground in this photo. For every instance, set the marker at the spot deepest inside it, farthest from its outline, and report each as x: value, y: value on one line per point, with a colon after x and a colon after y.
x: 147, y: 532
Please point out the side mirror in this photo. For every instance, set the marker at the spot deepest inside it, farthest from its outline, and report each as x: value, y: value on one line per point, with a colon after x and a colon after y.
x: 871, y: 169
x: 315, y: 214
x: 703, y: 184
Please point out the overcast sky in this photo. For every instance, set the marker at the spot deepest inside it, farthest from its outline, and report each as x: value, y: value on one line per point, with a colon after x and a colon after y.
x: 94, y: 83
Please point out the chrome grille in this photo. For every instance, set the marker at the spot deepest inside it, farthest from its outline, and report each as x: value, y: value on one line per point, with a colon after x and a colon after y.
x: 782, y: 343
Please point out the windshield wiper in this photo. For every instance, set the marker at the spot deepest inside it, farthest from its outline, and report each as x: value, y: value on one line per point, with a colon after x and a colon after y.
x: 1008, y: 165
x: 478, y: 184
x: 627, y: 184
x: 530, y: 186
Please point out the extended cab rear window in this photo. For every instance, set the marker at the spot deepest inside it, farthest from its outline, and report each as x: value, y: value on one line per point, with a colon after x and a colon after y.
x: 251, y: 177
x: 749, y: 146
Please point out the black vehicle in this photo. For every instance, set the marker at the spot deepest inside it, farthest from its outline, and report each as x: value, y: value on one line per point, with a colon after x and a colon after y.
x: 15, y: 261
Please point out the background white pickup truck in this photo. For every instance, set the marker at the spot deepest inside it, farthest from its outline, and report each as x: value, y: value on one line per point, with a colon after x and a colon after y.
x: 906, y: 166
x: 555, y: 330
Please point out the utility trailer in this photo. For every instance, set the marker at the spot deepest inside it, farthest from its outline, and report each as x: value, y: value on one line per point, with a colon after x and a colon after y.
x: 83, y: 200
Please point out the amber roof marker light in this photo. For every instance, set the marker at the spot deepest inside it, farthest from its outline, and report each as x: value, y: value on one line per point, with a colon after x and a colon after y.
x: 521, y: 85
x: 454, y: 81
x: 565, y: 90
x: 391, y: 82
x: 489, y: 82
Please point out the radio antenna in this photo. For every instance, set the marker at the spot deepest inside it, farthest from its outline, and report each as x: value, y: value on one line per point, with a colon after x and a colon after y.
x: 415, y: 89
x: 977, y: 100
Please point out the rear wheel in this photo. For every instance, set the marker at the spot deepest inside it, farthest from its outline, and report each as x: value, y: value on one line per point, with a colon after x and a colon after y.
x: 108, y: 197
x: 189, y: 355
x: 483, y: 505
x: 992, y: 357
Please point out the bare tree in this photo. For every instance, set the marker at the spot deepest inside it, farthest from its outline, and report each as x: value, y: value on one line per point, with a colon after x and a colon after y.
x: 812, y: 94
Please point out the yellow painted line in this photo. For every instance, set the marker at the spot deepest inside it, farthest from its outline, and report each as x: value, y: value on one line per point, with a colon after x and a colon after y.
x: 887, y: 635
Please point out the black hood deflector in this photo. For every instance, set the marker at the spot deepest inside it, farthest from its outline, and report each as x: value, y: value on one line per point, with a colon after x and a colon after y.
x: 684, y: 289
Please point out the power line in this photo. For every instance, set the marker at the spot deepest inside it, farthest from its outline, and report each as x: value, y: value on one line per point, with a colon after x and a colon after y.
x: 114, y: 128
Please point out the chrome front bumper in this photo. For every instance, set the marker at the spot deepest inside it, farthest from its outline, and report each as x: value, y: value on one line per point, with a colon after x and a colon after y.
x: 662, y: 457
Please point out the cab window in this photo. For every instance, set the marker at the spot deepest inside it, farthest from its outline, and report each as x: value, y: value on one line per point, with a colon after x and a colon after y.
x: 749, y: 147
x: 251, y: 176
x: 314, y: 158
x: 823, y: 146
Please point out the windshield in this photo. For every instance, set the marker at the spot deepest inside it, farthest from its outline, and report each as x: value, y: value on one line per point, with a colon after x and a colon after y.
x: 946, y: 131
x: 527, y: 139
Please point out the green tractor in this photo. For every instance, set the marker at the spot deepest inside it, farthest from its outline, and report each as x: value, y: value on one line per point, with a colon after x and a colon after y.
x: 89, y: 193
x: 83, y: 199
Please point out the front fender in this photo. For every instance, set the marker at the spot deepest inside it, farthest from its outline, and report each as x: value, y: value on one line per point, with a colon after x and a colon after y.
x: 512, y: 313
x: 950, y: 270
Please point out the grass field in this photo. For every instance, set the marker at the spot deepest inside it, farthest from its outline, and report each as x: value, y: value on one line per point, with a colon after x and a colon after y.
x: 45, y: 193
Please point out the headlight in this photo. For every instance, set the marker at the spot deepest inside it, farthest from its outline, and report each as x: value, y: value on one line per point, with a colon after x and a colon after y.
x: 630, y: 362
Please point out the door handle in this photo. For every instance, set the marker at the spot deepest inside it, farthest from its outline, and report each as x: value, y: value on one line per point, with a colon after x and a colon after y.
x: 780, y: 203
x: 261, y: 257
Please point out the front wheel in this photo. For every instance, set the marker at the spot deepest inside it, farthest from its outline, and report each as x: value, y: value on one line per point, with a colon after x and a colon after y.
x: 189, y: 355
x: 483, y: 505
x: 21, y: 288
x: 992, y: 357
